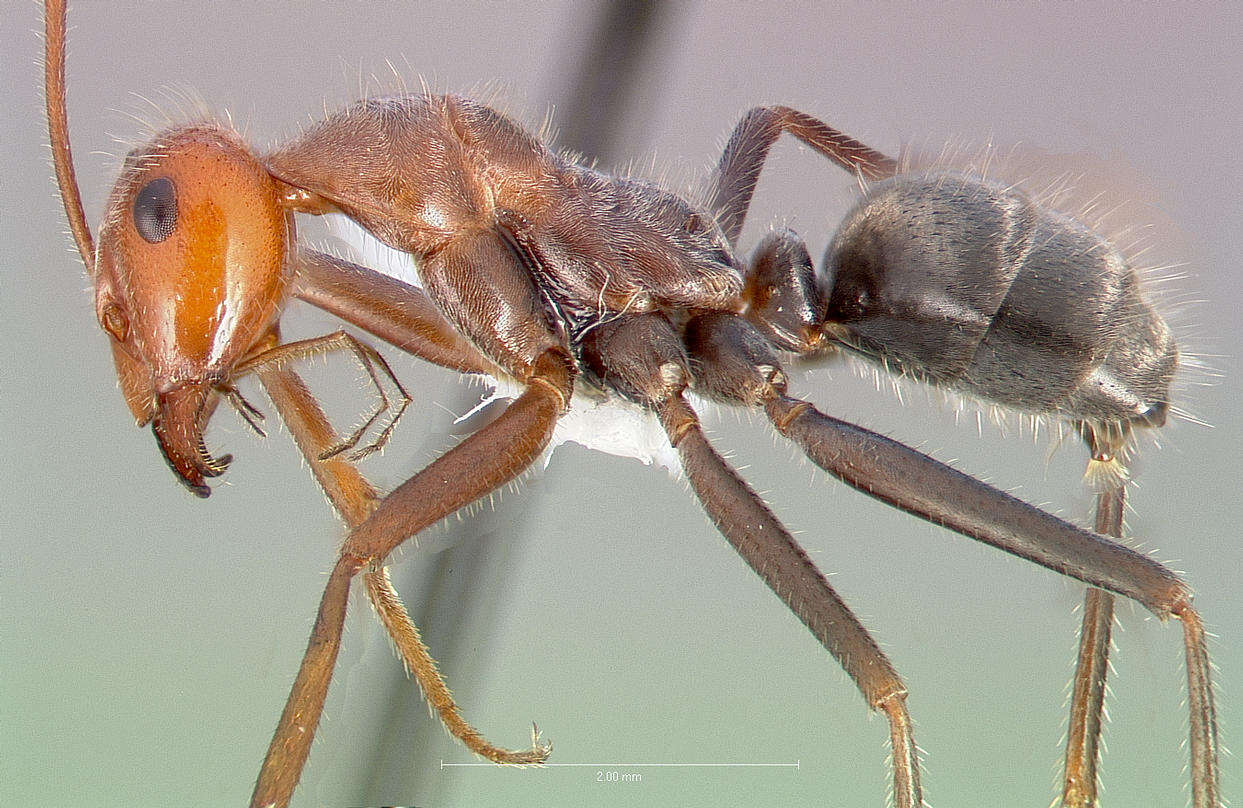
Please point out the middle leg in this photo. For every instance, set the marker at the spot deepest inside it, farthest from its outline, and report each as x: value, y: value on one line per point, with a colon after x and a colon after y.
x: 642, y: 358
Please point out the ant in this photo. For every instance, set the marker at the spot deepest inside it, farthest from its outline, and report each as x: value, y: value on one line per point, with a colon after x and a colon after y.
x: 648, y: 342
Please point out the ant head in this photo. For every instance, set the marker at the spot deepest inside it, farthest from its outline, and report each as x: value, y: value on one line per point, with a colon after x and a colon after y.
x: 190, y: 273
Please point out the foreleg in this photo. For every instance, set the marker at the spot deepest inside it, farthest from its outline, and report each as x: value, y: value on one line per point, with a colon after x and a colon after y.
x: 489, y: 458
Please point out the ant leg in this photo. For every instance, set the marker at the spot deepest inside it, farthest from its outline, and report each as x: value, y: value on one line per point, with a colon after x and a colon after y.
x: 472, y: 278
x: 396, y: 312
x: 367, y: 356
x: 489, y: 458
x: 734, y: 363
x: 771, y: 551
x: 418, y: 658
x: 355, y: 498
x: 1205, y: 754
x: 738, y: 171
x: 1080, y: 779
x: 347, y: 489
x: 900, y: 476
x: 1087, y: 703
x: 642, y: 358
x: 782, y: 304
x: 911, y: 481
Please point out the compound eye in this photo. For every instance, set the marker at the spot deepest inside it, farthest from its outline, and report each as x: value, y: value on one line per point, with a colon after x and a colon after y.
x: 155, y: 210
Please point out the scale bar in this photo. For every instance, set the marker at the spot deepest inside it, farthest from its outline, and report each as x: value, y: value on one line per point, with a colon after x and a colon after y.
x: 794, y: 765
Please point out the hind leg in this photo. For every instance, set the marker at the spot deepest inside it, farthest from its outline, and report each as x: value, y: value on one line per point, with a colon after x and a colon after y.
x: 738, y: 171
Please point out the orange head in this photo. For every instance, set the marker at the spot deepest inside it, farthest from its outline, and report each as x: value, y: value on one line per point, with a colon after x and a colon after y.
x: 190, y: 274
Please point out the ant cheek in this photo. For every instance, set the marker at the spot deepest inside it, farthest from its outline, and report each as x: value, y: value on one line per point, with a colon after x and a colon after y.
x: 135, y: 381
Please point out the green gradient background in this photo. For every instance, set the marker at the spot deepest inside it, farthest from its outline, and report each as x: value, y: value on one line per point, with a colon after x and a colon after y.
x: 148, y: 639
